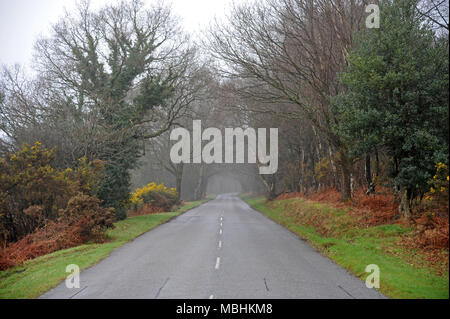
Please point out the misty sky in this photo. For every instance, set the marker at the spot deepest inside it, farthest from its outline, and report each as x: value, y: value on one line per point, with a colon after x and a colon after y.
x: 22, y: 21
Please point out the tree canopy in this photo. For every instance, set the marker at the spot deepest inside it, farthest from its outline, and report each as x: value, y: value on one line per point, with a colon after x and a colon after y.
x: 397, y: 97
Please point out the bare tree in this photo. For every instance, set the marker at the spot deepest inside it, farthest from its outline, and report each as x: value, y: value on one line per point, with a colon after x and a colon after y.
x: 436, y: 11
x: 107, y: 82
x: 289, y: 52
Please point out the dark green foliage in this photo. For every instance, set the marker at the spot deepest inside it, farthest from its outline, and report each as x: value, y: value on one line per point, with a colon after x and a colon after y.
x: 397, y: 96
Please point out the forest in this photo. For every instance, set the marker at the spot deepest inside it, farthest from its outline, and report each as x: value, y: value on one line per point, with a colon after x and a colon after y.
x: 362, y: 114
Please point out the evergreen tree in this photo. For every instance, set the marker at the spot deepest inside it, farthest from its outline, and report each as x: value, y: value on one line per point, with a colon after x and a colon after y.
x: 397, y: 98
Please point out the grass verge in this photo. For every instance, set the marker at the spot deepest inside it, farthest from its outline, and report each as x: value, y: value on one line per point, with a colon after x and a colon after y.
x: 39, y: 275
x: 404, y: 273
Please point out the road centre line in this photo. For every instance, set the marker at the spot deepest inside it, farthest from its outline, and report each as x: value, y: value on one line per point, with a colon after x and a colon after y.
x: 217, y: 263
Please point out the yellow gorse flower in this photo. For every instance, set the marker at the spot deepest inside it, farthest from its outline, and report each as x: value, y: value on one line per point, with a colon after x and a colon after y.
x: 137, y: 196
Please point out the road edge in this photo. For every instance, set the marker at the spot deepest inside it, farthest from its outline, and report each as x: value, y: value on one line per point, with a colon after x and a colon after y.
x: 310, y: 243
x: 38, y: 294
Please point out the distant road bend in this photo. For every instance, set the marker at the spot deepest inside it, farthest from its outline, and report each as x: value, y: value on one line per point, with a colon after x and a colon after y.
x: 222, y: 249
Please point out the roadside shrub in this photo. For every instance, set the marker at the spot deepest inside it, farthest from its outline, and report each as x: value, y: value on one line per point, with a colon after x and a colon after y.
x: 28, y: 181
x: 32, y: 192
x: 50, y: 238
x: 44, y: 209
x: 163, y: 199
x: 437, y: 198
x: 83, y: 220
x: 157, y: 196
x: 85, y: 214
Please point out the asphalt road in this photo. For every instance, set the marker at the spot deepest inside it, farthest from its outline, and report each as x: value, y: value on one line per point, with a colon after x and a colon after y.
x: 222, y: 249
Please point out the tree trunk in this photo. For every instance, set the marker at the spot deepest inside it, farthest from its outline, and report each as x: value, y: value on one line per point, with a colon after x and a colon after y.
x: 404, y: 208
x: 198, y: 189
x: 377, y: 165
x: 203, y: 187
x: 179, y: 178
x: 346, y: 191
x: 368, y: 173
x: 333, y: 167
x: 270, y: 186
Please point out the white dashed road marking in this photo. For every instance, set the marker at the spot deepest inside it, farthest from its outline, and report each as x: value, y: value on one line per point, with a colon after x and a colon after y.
x: 218, y: 263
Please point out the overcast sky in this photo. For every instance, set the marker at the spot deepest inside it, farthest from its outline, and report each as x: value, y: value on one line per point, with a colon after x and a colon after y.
x: 22, y: 21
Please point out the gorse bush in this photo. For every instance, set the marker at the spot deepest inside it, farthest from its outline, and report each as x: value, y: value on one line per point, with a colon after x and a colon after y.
x: 43, y: 209
x: 437, y: 197
x: 137, y: 196
x: 31, y: 191
x: 85, y: 214
x: 155, y: 195
x: 161, y: 199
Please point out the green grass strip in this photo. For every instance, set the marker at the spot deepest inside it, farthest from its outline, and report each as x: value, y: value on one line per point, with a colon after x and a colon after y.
x: 354, y: 247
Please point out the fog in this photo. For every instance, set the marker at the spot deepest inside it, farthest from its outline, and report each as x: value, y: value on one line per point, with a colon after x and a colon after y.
x: 222, y: 184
